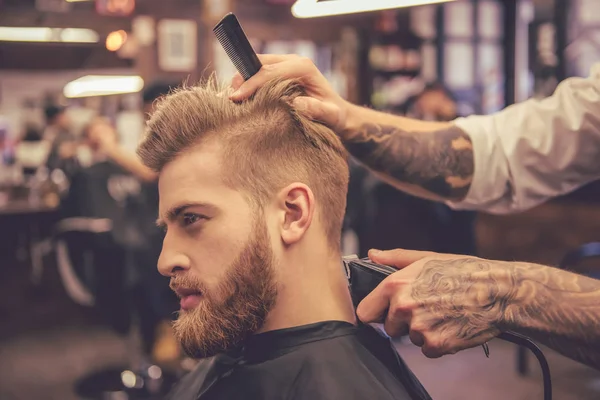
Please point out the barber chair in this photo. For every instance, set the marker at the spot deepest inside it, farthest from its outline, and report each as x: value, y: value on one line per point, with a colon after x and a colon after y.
x: 92, y: 239
x: 572, y: 261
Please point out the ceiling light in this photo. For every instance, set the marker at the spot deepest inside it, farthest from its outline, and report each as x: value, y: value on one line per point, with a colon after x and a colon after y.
x: 315, y: 8
x: 115, y: 40
x: 66, y: 35
x: 103, y: 85
x: 74, y: 35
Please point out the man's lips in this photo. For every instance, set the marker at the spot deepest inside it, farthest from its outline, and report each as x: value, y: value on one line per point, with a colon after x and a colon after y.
x: 183, y: 292
x: 190, y: 298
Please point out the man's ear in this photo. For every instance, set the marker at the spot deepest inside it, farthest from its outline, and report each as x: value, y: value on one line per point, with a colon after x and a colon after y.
x: 297, y: 203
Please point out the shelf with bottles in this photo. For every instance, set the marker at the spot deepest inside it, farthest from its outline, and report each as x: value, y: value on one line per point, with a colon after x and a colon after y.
x: 390, y: 60
x: 393, y: 62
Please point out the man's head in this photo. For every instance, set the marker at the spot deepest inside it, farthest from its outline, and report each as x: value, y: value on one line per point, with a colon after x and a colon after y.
x: 98, y: 134
x: 244, y: 189
x: 436, y: 103
x: 56, y: 115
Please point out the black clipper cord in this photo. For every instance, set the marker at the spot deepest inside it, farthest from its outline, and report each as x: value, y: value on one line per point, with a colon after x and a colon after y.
x: 364, y: 275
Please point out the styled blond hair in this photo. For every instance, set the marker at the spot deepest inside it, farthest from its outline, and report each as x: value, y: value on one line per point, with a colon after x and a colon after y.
x: 267, y: 144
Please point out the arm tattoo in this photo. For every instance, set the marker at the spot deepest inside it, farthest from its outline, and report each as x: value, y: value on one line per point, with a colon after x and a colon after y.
x: 473, y: 297
x: 558, y: 308
x: 440, y: 162
x: 464, y: 309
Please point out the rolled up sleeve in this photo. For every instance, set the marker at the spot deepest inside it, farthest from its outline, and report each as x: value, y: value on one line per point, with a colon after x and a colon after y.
x: 535, y: 150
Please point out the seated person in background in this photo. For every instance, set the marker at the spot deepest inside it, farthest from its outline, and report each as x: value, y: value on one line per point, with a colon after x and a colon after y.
x: 31, y: 151
x: 155, y: 301
x: 434, y: 103
x: 103, y: 189
x: 451, y: 231
x: 31, y: 134
x: 102, y: 139
x: 252, y: 197
x: 63, y: 144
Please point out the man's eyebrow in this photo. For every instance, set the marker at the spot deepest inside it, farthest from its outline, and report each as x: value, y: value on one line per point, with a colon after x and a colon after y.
x: 175, y: 211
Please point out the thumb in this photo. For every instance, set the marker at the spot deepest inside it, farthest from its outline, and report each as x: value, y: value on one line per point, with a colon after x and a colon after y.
x: 398, y: 258
x: 322, y: 111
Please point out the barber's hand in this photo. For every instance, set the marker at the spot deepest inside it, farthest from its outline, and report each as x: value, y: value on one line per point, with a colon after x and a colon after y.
x: 102, y: 135
x: 447, y: 303
x: 322, y: 102
x: 67, y: 150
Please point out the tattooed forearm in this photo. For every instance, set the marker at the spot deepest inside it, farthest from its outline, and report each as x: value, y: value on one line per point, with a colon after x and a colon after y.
x: 440, y: 162
x: 464, y: 294
x: 470, y: 298
x: 558, y: 308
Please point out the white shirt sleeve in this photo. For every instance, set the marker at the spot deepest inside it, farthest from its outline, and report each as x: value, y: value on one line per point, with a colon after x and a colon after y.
x: 535, y: 150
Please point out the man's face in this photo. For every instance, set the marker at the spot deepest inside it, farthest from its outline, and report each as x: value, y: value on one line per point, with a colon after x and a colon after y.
x: 63, y: 120
x: 436, y: 105
x: 101, y: 134
x: 217, y: 252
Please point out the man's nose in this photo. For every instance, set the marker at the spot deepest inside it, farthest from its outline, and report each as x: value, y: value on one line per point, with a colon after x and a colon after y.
x: 172, y: 260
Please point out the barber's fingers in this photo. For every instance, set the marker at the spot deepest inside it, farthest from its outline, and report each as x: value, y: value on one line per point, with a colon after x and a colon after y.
x: 276, y: 58
x: 374, y: 306
x: 387, y: 300
x: 430, y: 351
x: 398, y: 258
x: 416, y: 337
x: 440, y: 343
x: 395, y: 326
x: 323, y: 111
x: 398, y: 316
x: 238, y: 79
x: 290, y: 68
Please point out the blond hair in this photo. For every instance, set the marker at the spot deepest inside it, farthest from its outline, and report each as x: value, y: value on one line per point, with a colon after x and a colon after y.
x: 267, y: 144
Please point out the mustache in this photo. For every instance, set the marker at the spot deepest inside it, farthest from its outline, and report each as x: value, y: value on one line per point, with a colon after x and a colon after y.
x: 187, y: 282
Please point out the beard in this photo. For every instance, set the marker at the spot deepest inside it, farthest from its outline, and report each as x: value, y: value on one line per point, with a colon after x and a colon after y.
x: 239, y: 305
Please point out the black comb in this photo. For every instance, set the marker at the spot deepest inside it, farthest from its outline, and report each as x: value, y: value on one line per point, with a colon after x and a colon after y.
x: 230, y: 34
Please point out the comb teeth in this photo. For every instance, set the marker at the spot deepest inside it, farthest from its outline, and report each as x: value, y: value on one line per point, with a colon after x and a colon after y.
x: 235, y: 43
x: 231, y: 47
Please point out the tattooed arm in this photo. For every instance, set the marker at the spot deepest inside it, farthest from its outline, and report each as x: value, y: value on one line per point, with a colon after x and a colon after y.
x: 519, y: 152
x: 449, y: 303
x: 432, y: 160
x: 427, y: 159
x: 558, y: 308
x: 103, y: 136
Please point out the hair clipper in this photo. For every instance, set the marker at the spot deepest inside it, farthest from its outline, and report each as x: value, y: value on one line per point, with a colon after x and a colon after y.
x: 364, y: 275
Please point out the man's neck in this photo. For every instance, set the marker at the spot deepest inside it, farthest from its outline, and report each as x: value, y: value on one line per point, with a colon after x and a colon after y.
x: 312, y: 291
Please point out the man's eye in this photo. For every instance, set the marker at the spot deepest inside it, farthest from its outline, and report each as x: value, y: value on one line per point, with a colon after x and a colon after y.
x: 189, y: 219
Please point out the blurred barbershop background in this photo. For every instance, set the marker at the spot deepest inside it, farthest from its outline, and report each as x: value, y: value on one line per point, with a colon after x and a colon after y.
x: 83, y: 311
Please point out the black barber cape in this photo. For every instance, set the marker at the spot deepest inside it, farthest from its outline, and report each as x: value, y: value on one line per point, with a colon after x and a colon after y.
x: 328, y: 360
